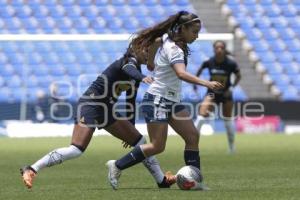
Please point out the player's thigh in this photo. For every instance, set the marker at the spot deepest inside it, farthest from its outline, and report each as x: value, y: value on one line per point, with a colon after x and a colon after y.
x: 158, y: 133
x: 82, y: 135
x: 184, y: 126
x: 124, y: 130
x: 227, y: 109
x: 206, y: 106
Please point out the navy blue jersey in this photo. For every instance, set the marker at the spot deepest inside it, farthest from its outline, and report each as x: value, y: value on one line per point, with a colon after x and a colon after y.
x: 120, y: 76
x: 221, y: 72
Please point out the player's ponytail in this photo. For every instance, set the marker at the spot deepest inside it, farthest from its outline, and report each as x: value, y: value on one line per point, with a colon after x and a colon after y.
x: 144, y: 38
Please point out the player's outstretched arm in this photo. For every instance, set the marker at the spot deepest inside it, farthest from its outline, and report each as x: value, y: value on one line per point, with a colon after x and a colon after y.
x: 188, y: 77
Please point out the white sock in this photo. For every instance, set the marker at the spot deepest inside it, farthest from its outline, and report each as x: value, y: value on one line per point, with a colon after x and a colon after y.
x: 230, y: 133
x: 57, y: 156
x: 152, y: 164
x: 200, y: 120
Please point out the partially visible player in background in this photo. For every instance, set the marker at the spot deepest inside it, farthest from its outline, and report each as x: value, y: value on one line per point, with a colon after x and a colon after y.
x: 161, y: 104
x: 221, y: 66
x: 96, y: 109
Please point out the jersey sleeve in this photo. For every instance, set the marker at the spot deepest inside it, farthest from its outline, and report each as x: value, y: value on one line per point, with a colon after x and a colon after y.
x: 131, y: 70
x: 205, y: 64
x: 235, y: 67
x: 174, y: 54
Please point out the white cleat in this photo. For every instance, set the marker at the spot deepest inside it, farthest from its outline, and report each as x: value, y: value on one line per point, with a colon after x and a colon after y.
x: 113, y: 173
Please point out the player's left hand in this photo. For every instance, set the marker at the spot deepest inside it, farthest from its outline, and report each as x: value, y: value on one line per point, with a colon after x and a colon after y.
x: 147, y: 79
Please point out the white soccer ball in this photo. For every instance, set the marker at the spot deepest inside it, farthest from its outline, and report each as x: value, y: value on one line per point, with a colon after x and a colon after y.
x: 188, y: 178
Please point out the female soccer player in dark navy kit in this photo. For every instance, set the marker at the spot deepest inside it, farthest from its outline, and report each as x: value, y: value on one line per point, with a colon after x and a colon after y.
x: 220, y: 67
x: 161, y: 104
x: 96, y: 108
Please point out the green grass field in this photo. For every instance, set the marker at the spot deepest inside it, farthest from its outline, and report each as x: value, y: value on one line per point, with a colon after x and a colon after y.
x: 265, y: 167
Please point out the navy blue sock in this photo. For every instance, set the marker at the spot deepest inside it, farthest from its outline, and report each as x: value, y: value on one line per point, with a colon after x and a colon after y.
x: 130, y: 159
x: 192, y: 157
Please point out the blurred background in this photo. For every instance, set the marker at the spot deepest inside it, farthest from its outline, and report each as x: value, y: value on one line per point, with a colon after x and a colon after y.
x: 41, y: 77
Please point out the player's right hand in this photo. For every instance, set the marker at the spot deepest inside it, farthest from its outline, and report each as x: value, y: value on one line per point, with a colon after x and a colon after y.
x: 147, y: 79
x: 214, y: 85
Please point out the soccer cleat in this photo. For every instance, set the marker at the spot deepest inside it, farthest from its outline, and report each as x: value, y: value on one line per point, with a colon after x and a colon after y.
x: 201, y: 186
x: 169, y: 179
x: 28, y: 174
x: 113, y: 173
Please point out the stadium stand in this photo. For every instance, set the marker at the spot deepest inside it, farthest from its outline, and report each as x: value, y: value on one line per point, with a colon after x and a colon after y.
x: 34, y: 65
x: 272, y: 30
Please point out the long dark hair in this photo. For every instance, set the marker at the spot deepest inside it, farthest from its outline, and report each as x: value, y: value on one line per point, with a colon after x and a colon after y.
x: 172, y: 26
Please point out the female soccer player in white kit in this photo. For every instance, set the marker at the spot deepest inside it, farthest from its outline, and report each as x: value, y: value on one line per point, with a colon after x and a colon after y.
x: 161, y: 103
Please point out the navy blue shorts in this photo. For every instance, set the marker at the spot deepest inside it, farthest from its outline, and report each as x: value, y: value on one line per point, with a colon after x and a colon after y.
x: 220, y: 97
x: 93, y: 112
x: 159, y: 109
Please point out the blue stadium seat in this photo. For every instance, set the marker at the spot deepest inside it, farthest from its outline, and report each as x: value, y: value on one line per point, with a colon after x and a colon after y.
x: 284, y: 57
x: 13, y: 81
x: 290, y: 94
x: 3, y: 59
x: 277, y: 45
x: 98, y: 25
x: 2, y: 81
x: 34, y: 59
x: 263, y: 23
x: 293, y: 45
x: 23, y: 11
x: 150, y: 2
x: 40, y: 70
x: 57, y: 70
x: 238, y: 94
x: 166, y: 2
x: 31, y: 82
x: 64, y: 25
x: 182, y: 2
x: 40, y: 12
x: 274, y: 69
x: 280, y: 80
x: 101, y: 2
x: 90, y: 12
x: 260, y: 46
x: 13, y: 24
x: 282, y: 2
x: 118, y: 2
x: 272, y: 11
x: 74, y: 12
x: 57, y: 11
x: 47, y: 24
x: 51, y: 58
x: 16, y: 58
x: 270, y: 34
x: 50, y: 3
x: 134, y: 2
x: 81, y: 25
x: 5, y: 94
x: 7, y: 12
x: 83, y: 3
x: 266, y: 57
x: 291, y: 69
x: 69, y: 3
x: 289, y: 11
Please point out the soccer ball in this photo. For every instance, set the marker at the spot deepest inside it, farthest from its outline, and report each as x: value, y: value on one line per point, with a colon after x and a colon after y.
x: 188, y: 178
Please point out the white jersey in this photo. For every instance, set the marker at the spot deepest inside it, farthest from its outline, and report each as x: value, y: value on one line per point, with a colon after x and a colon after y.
x: 166, y: 83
